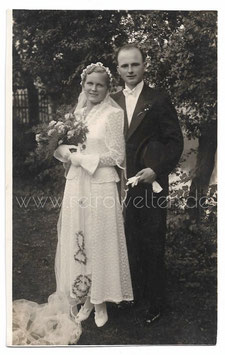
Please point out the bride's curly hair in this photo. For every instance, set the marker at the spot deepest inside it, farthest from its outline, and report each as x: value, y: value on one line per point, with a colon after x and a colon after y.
x: 96, y: 68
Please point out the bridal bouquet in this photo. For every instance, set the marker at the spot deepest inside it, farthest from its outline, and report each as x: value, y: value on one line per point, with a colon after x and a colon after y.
x: 70, y: 130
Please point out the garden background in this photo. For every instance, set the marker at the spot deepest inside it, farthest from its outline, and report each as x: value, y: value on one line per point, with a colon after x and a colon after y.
x: 50, y: 49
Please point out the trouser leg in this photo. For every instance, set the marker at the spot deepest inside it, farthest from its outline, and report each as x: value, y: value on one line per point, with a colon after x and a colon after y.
x: 134, y: 253
x: 153, y: 234
x: 145, y: 233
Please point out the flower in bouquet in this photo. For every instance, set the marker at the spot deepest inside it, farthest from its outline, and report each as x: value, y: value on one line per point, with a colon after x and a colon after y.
x: 71, y: 129
x: 52, y: 123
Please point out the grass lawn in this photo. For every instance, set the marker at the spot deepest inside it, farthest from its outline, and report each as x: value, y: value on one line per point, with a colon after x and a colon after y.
x: 190, y: 317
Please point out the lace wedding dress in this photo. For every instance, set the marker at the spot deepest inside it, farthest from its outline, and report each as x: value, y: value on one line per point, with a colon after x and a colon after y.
x: 91, y: 257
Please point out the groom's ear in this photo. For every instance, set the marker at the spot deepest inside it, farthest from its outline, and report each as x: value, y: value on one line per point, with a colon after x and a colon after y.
x: 118, y: 70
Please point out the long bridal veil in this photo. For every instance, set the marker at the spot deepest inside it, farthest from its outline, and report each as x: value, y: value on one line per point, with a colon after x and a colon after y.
x: 51, y: 323
x: 44, y: 324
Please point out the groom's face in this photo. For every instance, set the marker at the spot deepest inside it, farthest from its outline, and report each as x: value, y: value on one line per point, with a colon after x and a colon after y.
x: 131, y: 66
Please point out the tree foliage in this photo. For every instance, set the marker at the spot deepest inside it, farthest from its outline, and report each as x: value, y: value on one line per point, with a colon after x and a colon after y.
x: 182, y: 54
x: 52, y: 48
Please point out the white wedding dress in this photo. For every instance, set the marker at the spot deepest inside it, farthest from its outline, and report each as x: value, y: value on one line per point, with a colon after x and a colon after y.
x: 91, y: 257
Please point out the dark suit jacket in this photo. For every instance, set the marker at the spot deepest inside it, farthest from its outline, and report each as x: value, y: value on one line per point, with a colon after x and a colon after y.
x: 154, y: 120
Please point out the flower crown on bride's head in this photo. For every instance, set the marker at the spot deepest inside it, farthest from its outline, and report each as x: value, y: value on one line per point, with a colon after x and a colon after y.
x: 91, y: 67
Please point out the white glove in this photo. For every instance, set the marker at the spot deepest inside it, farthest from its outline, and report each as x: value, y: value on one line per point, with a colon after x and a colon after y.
x: 62, y: 153
x: 135, y: 179
x: 75, y: 159
x: 156, y: 187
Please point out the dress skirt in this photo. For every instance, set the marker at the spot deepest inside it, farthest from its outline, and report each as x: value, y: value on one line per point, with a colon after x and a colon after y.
x: 91, y: 258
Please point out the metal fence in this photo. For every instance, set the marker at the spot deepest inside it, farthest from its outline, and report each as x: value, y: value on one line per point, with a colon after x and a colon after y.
x: 21, y: 107
x: 45, y: 108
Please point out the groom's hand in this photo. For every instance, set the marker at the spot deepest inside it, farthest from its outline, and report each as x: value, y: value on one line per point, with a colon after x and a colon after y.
x: 146, y: 175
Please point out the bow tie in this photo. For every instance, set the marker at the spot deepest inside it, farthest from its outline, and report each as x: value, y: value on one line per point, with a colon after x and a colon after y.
x: 128, y: 92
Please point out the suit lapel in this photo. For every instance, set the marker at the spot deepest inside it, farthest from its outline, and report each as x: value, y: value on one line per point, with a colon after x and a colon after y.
x: 139, y: 111
x: 122, y: 103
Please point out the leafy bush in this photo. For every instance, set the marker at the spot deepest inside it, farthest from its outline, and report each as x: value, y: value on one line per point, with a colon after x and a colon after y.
x: 23, y: 144
x: 32, y: 163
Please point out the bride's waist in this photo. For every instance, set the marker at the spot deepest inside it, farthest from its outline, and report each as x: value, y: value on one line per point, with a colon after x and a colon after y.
x: 101, y: 175
x: 105, y: 174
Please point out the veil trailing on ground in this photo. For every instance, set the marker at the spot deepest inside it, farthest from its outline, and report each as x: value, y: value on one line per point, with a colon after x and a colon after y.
x: 51, y: 323
x: 44, y: 324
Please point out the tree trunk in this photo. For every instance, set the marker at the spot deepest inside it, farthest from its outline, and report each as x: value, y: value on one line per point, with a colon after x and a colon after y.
x: 203, y: 170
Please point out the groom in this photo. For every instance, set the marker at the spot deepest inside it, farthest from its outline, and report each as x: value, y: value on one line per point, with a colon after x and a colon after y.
x: 154, y: 144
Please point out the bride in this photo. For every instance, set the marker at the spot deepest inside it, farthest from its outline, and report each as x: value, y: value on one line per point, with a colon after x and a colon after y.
x: 91, y: 263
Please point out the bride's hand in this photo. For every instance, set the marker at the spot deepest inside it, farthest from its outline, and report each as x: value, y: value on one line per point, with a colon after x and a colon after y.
x: 62, y: 153
x: 71, y: 146
x: 75, y: 159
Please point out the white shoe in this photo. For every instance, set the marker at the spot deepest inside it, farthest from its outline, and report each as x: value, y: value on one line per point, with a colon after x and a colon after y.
x: 84, y: 313
x: 101, y: 315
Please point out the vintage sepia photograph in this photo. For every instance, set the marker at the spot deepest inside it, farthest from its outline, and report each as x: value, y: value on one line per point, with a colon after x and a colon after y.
x: 114, y: 172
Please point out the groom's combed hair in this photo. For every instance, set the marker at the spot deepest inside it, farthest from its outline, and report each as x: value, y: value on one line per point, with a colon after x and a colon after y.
x: 129, y: 46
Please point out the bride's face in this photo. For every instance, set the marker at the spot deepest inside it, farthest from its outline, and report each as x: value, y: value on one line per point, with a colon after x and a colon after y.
x: 96, y: 87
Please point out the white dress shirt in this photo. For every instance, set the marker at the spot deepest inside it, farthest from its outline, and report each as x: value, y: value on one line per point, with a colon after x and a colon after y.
x: 131, y: 98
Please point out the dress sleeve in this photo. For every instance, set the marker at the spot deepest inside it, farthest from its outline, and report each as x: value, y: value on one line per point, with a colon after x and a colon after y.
x: 115, y: 146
